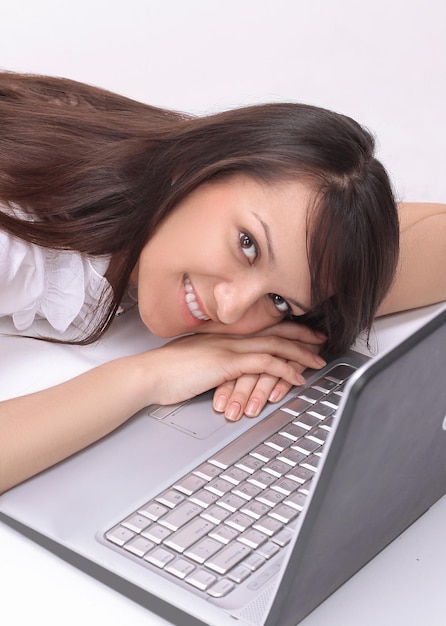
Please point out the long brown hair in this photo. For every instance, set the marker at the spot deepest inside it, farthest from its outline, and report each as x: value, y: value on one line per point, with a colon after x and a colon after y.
x: 97, y: 172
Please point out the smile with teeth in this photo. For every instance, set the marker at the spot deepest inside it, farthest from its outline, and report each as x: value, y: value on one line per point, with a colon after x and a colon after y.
x: 191, y: 301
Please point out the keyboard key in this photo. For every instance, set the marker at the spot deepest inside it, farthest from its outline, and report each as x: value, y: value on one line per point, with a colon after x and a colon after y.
x: 153, y: 511
x: 180, y: 568
x: 249, y: 440
x: 182, y: 514
x: 186, y: 536
x: 291, y: 457
x: 325, y: 384
x: 305, y: 445
x: 219, y: 486
x: 297, y: 406
x: 234, y: 475
x: 250, y: 464
x: 204, y: 498
x: 282, y: 538
x: 239, y: 573
x: 305, y: 488
x: 255, y: 509
x: 312, y: 394
x: 254, y: 561
x: 268, y: 549
x: 231, y: 502
x: 247, y: 490
x: 293, y: 431
x: 278, y: 442
x: 216, y: 514
x: 201, y: 579
x: 283, y: 513
x: 224, y: 534
x: 220, y: 589
x: 264, y: 453
x: 120, y: 535
x: 319, y: 435
x: 340, y: 373
x: 327, y: 423
x: 156, y: 533
x: 307, y: 421
x: 277, y: 468
x: 159, y: 557
x: 136, y: 522
x: 300, y: 474
x: 252, y: 538
x: 296, y: 500
x: 285, y: 486
x: 190, y: 484
x: 268, y: 525
x: 139, y: 546
x: 311, y: 462
x: 271, y: 497
x: 240, y: 521
x: 207, y: 471
x: 228, y: 557
x: 333, y: 399
x: 262, y: 479
x: 171, y: 498
x: 203, y: 549
x: 321, y: 410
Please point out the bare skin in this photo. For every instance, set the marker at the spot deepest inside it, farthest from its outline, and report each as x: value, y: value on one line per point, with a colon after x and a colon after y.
x: 234, y: 293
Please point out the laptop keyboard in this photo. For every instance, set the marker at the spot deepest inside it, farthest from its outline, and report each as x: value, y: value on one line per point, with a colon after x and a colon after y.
x: 232, y: 514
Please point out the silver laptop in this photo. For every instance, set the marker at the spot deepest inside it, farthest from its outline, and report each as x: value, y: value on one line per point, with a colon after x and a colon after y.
x: 257, y: 522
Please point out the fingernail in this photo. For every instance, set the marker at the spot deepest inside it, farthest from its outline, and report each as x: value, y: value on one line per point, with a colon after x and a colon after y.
x: 233, y: 413
x: 220, y: 403
x: 300, y: 380
x: 320, y: 360
x: 274, y: 395
x: 253, y: 408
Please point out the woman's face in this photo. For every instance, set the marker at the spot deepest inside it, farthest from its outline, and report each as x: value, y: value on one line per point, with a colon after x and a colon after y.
x: 231, y: 258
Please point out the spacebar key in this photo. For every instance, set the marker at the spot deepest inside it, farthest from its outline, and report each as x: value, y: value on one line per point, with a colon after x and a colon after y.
x: 250, y: 439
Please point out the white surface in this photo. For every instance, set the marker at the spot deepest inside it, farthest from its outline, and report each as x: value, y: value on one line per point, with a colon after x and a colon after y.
x: 384, y: 64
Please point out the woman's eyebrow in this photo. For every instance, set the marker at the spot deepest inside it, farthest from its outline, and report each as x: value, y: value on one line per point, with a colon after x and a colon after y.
x: 272, y: 258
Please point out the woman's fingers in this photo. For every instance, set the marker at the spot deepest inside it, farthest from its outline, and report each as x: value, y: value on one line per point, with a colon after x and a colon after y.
x: 232, y: 398
x: 249, y: 394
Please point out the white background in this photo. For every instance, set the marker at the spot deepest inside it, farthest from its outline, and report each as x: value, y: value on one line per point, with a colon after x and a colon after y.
x: 382, y: 62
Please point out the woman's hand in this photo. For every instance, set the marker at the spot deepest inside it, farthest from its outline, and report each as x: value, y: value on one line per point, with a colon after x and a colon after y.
x: 249, y: 394
x: 35, y: 433
x: 242, y: 368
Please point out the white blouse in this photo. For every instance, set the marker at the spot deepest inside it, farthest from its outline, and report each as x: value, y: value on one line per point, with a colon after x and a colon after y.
x: 63, y: 287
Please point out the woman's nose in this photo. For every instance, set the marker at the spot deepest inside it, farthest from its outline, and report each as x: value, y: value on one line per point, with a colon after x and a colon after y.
x: 234, y: 299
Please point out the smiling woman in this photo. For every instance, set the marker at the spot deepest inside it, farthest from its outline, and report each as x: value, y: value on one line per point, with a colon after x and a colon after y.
x: 232, y: 227
x: 224, y: 260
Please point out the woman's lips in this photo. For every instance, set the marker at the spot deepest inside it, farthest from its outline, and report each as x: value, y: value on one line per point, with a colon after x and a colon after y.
x: 191, y: 301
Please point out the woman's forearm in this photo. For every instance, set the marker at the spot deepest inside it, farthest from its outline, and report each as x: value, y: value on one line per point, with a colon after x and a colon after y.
x: 421, y: 275
x: 40, y: 429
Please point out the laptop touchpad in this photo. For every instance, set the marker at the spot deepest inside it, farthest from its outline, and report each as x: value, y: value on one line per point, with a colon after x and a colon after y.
x: 194, y: 417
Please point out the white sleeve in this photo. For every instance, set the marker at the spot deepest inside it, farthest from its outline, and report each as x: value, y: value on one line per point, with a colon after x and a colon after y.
x: 61, y: 286
x: 22, y: 279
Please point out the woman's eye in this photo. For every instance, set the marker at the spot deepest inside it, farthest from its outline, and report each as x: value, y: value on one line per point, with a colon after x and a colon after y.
x: 280, y: 304
x: 249, y: 247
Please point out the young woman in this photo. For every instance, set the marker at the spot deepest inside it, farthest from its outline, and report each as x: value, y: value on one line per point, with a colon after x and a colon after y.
x: 258, y: 237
